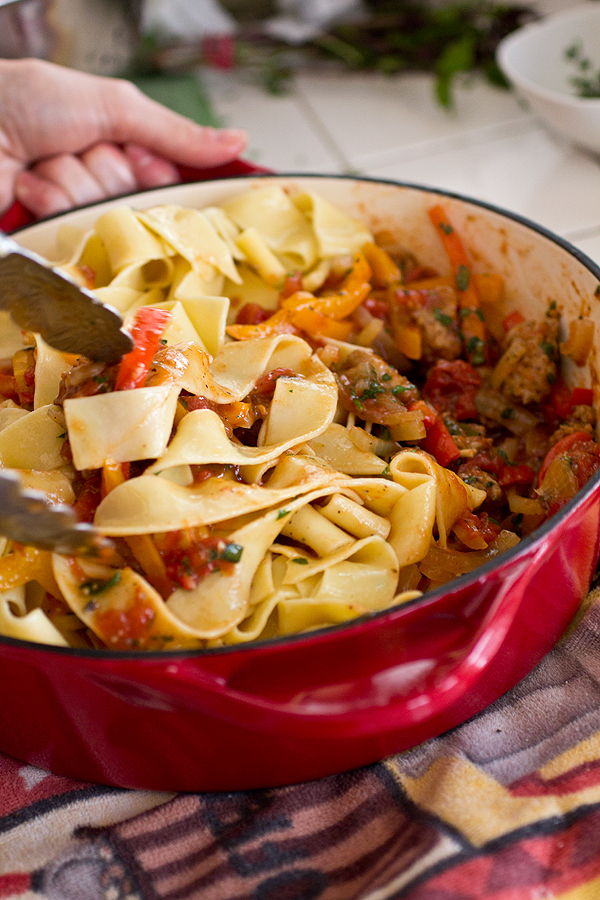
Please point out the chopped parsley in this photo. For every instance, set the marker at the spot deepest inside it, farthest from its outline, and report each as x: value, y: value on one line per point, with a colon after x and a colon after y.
x: 442, y: 318
x: 97, y: 585
x: 463, y: 278
x: 476, y: 350
x: 230, y: 553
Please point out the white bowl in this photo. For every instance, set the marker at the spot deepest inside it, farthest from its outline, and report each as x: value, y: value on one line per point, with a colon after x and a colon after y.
x: 534, y: 60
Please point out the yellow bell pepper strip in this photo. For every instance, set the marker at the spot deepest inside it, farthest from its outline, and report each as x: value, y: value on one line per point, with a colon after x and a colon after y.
x: 384, y: 269
x: 472, y: 319
x: 148, y: 326
x: 22, y: 565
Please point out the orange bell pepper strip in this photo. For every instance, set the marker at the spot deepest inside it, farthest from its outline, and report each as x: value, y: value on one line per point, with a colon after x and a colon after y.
x: 355, y: 287
x: 489, y: 287
x: 148, y: 326
x: 142, y: 546
x: 472, y: 319
x: 316, y: 324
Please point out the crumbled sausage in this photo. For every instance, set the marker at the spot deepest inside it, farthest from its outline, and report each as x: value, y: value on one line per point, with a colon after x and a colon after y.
x: 583, y: 418
x: 473, y: 475
x: 527, y: 368
x: 435, y: 311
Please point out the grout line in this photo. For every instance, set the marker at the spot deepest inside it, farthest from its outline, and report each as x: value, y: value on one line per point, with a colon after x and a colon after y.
x: 307, y: 110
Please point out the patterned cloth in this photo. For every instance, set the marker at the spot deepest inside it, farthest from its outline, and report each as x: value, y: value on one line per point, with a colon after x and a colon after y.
x: 504, y: 807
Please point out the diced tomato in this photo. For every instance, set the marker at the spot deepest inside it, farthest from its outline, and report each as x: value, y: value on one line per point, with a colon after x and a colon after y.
x: 561, y: 400
x: 439, y: 442
x: 252, y: 314
x: 563, y: 446
x: 479, y: 526
x: 265, y: 386
x: 377, y: 308
x: 8, y: 386
x: 516, y: 474
x: 148, y: 326
x: 451, y: 387
x: 88, y: 498
x: 513, y: 318
x: 193, y: 557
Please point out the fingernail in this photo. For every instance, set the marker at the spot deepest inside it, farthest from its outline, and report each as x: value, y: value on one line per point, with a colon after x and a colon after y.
x: 231, y: 137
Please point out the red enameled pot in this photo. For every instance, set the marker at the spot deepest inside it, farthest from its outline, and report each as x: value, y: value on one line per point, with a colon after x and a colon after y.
x: 300, y: 708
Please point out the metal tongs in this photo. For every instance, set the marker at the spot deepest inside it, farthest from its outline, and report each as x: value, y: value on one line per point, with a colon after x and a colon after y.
x: 69, y: 318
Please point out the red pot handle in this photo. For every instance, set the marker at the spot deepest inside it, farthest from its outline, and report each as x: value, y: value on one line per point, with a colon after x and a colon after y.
x: 381, y: 700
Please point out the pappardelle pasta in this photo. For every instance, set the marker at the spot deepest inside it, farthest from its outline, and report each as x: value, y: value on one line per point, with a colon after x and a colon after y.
x: 312, y: 426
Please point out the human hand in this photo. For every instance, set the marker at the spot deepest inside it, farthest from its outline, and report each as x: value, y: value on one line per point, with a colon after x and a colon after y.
x: 68, y: 138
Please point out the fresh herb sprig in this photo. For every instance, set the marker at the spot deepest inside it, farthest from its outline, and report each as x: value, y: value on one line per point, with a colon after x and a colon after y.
x: 459, y: 37
x: 587, y: 80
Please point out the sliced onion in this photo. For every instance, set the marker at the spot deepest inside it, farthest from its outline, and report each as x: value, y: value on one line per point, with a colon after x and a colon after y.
x: 493, y: 405
x: 443, y: 565
x: 525, y: 506
x: 411, y: 427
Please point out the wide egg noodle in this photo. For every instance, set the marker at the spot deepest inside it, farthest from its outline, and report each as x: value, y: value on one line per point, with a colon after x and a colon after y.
x: 126, y: 239
x: 192, y: 235
x: 119, y: 427
x: 335, y: 447
x: 201, y: 438
x: 149, y: 504
x: 442, y: 498
x: 187, y: 283
x: 188, y: 367
x: 337, y: 234
x: 222, y: 601
x: 283, y: 226
x: 34, y: 441
x: 239, y: 364
x: 50, y: 366
x: 33, y: 625
x: 122, y: 594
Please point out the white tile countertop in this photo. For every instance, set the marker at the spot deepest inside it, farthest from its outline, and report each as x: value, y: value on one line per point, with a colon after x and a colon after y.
x: 489, y: 146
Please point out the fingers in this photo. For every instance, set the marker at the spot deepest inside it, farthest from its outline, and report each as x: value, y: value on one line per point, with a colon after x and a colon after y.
x: 148, y: 169
x: 39, y: 196
x: 65, y: 181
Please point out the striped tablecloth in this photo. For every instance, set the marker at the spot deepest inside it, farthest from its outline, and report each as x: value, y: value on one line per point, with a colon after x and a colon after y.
x: 505, y: 807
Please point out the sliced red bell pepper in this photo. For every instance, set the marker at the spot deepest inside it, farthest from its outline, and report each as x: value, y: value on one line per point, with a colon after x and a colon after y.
x: 582, y: 396
x: 148, y: 326
x: 516, y: 474
x: 439, y: 442
x: 561, y: 447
